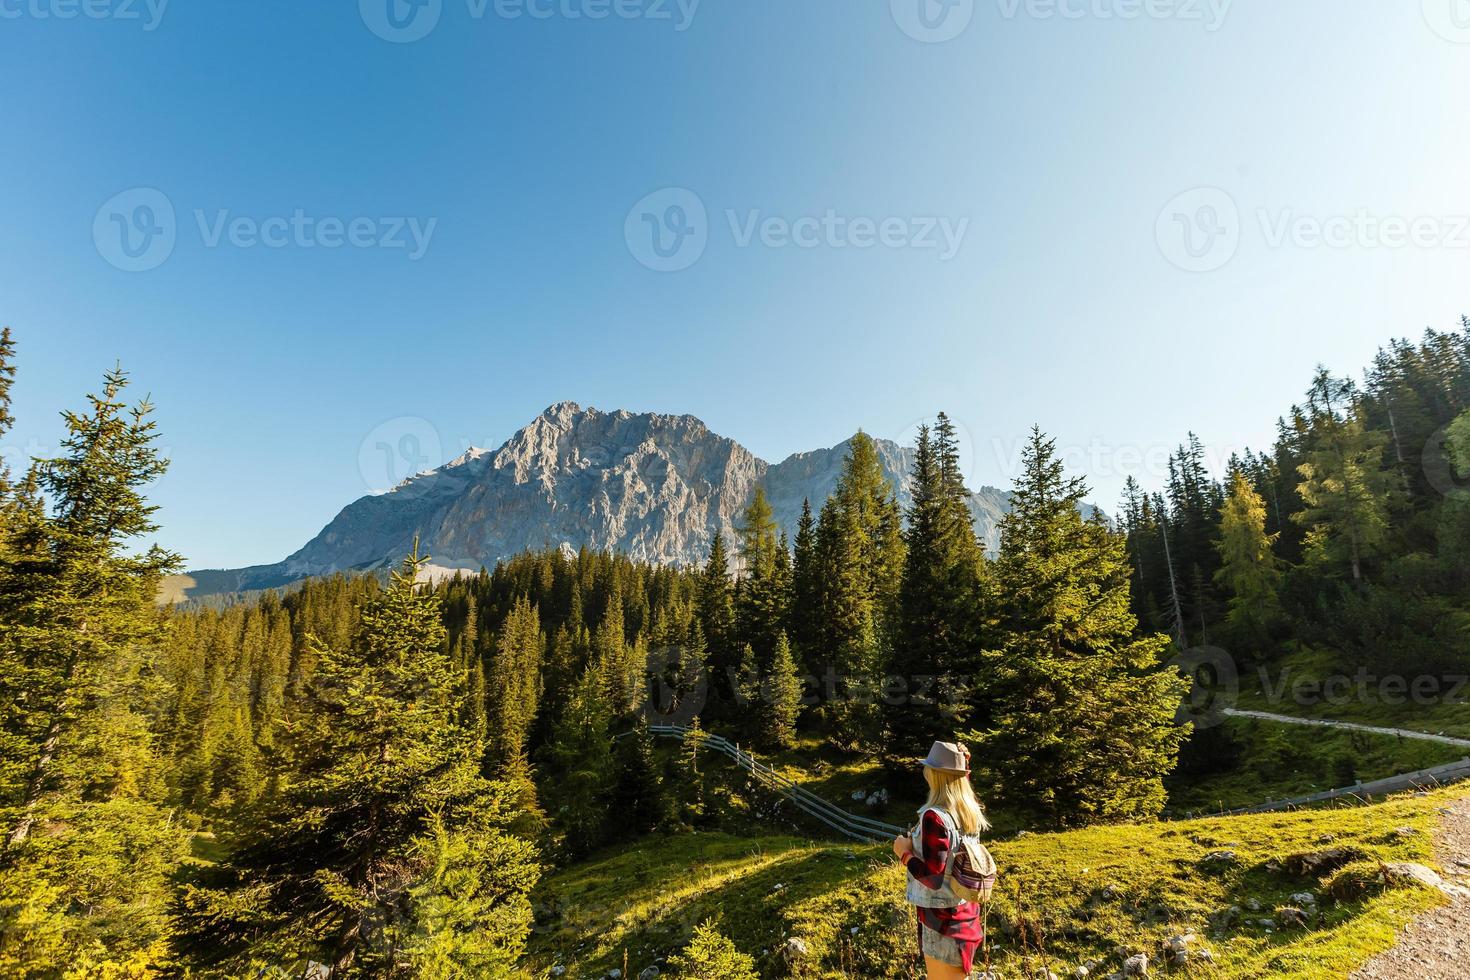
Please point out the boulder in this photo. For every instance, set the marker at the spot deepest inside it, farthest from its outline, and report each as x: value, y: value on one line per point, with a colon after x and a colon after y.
x: 1408, y: 873
x: 795, y: 950
x: 1136, y: 966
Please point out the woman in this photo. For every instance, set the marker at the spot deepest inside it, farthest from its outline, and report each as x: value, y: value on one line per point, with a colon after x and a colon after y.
x: 950, y: 931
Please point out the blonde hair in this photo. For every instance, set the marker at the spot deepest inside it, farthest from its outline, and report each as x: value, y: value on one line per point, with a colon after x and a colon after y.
x: 952, y: 793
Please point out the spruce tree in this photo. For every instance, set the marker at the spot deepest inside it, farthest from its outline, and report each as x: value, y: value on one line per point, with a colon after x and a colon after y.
x: 88, y: 846
x: 515, y: 686
x: 781, y: 698
x: 942, y: 603
x: 639, y: 798
x: 1347, y: 491
x: 806, y: 589
x: 860, y: 552
x: 578, y: 766
x: 1083, y: 729
x: 761, y: 589
x: 1249, y: 572
x: 711, y: 956
x: 351, y: 864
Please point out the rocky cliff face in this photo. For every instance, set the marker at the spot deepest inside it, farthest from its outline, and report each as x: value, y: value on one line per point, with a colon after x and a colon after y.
x: 655, y: 487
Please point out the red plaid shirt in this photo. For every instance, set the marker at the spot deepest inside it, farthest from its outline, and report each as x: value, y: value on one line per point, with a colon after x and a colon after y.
x: 962, y: 922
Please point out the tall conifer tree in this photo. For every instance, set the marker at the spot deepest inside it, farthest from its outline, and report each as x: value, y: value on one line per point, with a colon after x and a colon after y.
x: 1084, y: 727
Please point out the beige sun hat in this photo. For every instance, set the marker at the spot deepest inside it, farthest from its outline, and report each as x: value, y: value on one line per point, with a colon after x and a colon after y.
x: 948, y: 757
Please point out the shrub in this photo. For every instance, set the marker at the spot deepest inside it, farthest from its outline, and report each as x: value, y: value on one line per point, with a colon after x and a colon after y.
x: 710, y: 956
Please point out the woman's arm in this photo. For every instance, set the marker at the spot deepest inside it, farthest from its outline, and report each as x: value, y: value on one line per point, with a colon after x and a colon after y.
x: 928, y: 870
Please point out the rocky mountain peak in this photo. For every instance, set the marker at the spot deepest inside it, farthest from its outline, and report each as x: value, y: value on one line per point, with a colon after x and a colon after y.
x: 655, y: 487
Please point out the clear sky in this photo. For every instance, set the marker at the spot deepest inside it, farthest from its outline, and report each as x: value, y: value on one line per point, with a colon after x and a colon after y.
x: 867, y: 211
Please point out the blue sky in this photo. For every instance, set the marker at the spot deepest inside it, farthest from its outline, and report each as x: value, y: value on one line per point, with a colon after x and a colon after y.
x: 420, y: 244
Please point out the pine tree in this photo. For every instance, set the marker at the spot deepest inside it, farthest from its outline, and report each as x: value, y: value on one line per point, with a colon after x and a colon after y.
x: 716, y: 605
x: 341, y: 871
x: 710, y: 956
x: 82, y: 639
x: 806, y: 589
x: 762, y: 587
x: 578, y: 766
x: 860, y: 549
x: 781, y: 698
x: 471, y: 905
x: 1347, y: 491
x: 942, y: 602
x: 1249, y: 572
x: 639, y: 797
x: 515, y: 686
x: 1084, y: 721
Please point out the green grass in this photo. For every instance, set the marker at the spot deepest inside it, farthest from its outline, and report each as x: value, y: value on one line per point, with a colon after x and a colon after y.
x: 1280, y: 761
x: 1087, y: 893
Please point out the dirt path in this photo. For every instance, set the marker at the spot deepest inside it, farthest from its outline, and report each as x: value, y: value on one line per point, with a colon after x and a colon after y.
x: 1436, y: 945
x: 1347, y: 726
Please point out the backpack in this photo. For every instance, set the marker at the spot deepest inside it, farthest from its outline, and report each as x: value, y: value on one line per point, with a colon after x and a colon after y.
x: 972, y: 872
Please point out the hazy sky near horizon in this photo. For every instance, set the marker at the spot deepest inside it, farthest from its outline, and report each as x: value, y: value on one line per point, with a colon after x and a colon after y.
x: 335, y: 240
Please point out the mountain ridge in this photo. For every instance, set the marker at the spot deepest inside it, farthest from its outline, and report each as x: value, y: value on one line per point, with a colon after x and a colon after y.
x: 651, y: 485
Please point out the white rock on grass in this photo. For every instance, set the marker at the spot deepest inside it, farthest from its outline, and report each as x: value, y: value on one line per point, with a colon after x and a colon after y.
x: 1406, y: 872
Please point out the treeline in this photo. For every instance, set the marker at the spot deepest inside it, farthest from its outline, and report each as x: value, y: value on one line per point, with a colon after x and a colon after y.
x: 369, y: 775
x: 1351, y: 535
